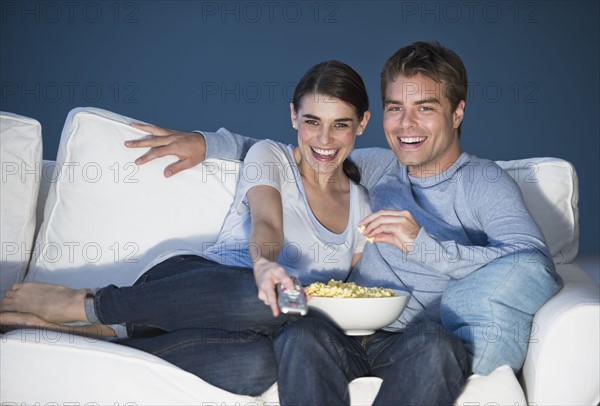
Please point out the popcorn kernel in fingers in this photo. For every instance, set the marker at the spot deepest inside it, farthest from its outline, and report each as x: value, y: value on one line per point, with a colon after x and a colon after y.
x: 361, y: 229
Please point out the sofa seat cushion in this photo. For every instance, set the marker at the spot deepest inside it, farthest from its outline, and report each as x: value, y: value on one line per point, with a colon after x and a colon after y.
x: 107, y: 220
x: 125, y: 375
x: 96, y: 372
x: 20, y: 159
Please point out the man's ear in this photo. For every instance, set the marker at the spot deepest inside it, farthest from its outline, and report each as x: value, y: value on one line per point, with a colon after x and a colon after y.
x: 459, y: 114
x: 293, y: 116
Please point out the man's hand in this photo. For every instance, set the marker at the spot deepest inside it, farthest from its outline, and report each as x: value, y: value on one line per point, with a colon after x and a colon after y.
x: 267, y: 275
x: 190, y: 148
x: 394, y: 227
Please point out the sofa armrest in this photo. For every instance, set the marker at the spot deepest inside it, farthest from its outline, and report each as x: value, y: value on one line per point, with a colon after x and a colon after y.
x: 563, y: 361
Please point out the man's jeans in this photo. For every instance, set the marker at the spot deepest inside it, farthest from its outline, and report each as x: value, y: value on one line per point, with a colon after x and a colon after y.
x: 423, y: 365
x: 201, y: 316
x: 492, y: 309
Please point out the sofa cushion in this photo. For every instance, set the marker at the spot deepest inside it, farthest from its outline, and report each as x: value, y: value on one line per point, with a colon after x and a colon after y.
x: 20, y: 158
x: 107, y: 220
x: 95, y: 372
x: 550, y: 190
x: 32, y: 355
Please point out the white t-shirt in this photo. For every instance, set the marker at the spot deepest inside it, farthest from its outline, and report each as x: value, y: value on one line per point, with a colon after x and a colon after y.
x: 310, y: 251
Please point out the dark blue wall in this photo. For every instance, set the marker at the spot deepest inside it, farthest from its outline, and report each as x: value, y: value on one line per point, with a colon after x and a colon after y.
x: 533, y: 67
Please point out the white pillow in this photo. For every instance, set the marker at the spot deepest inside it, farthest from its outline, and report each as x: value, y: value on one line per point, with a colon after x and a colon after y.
x: 20, y: 158
x: 107, y: 220
x: 550, y: 190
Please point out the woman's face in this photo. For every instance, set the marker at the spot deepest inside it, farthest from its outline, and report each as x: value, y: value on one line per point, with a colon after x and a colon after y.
x: 327, y: 128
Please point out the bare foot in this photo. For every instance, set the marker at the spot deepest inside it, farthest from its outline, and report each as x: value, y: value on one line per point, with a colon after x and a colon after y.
x: 52, y: 303
x: 11, y: 321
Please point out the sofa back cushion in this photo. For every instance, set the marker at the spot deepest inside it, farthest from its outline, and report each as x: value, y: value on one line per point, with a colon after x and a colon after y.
x: 550, y: 190
x: 20, y: 160
x: 107, y: 220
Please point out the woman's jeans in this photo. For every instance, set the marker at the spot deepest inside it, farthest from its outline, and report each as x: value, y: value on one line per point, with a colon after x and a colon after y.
x: 204, y: 317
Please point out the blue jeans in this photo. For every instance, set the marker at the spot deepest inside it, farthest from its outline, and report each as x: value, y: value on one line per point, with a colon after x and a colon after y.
x: 423, y: 365
x: 492, y: 309
x: 201, y: 316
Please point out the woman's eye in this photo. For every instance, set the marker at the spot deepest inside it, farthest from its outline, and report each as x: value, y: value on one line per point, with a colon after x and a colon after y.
x: 311, y: 122
x: 340, y: 125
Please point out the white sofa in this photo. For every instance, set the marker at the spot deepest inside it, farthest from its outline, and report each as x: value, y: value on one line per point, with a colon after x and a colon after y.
x: 101, y: 219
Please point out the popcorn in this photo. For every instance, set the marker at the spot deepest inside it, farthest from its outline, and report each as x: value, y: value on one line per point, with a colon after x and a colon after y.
x: 361, y: 229
x: 341, y: 289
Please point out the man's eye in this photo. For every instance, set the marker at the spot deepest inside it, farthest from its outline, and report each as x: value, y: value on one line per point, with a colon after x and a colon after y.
x: 426, y: 108
x: 393, y: 108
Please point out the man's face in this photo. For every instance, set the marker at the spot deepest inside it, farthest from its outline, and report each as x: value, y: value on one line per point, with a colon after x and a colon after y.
x: 420, y: 126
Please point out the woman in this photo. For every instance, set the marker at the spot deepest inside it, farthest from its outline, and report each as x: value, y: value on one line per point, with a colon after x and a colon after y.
x: 295, y: 213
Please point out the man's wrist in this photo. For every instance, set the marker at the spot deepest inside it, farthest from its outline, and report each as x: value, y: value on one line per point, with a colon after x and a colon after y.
x: 205, y: 146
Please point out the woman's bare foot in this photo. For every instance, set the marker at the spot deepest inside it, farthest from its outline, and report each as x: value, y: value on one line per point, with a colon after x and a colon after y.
x: 11, y: 321
x: 52, y: 303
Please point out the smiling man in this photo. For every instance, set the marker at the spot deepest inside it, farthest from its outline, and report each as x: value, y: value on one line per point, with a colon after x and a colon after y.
x: 448, y: 227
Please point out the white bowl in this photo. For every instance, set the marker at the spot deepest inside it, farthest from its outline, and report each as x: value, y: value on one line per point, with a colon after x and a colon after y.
x: 359, y: 316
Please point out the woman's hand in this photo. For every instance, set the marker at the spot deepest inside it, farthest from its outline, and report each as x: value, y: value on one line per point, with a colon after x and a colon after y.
x: 394, y: 227
x: 190, y: 148
x: 267, y: 275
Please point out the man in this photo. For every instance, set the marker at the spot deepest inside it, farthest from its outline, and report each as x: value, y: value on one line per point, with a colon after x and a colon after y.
x: 448, y: 227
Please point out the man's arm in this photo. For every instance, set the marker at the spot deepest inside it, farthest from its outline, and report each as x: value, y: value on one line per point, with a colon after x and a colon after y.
x: 493, y: 213
x: 191, y: 148
x: 498, y: 211
x: 372, y: 163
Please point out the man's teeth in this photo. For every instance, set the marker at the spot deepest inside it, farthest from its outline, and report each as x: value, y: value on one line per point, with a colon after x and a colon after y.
x: 412, y: 140
x: 325, y: 152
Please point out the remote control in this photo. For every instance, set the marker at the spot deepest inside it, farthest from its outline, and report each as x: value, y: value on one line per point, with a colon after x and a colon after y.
x: 292, y: 301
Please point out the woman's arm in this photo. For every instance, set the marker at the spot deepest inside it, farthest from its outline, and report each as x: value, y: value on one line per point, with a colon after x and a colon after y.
x: 266, y: 242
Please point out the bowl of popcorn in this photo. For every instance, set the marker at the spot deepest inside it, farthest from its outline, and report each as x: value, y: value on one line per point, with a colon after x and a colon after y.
x: 357, y: 310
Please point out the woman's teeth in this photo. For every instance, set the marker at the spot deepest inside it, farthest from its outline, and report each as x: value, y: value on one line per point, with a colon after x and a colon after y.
x: 325, y: 152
